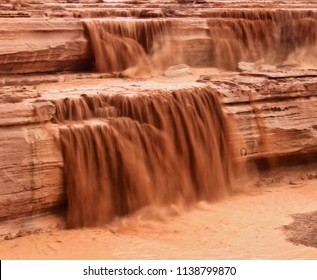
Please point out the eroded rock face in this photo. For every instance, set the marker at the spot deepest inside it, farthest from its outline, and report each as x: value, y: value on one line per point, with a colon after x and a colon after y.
x: 31, y: 174
x: 200, y: 34
x: 270, y: 111
x: 39, y: 45
x: 275, y: 123
x: 269, y: 98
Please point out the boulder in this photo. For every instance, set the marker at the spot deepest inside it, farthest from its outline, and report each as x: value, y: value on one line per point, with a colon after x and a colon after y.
x: 179, y: 70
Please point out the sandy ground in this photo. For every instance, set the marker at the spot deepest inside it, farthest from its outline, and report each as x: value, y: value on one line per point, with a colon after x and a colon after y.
x: 247, y: 225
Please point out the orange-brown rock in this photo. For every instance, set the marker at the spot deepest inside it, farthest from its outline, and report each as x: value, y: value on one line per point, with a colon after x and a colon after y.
x: 265, y: 59
x: 203, y: 36
x: 42, y: 45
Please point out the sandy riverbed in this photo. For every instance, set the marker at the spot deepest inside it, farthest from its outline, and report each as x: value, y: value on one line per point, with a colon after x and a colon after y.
x: 247, y: 225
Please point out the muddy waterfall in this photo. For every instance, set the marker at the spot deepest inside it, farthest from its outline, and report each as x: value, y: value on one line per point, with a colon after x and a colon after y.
x: 124, y: 151
x: 164, y: 148
x: 268, y: 37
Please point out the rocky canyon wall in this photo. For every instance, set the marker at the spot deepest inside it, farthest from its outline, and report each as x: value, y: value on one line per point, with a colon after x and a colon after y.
x: 135, y: 142
x: 217, y: 38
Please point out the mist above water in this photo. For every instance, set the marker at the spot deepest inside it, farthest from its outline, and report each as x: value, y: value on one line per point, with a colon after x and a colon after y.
x: 120, y: 44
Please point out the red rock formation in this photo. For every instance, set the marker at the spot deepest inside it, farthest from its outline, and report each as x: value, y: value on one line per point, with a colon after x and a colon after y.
x: 272, y: 106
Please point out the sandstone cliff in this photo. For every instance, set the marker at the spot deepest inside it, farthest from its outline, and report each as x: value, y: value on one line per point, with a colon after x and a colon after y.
x: 47, y: 59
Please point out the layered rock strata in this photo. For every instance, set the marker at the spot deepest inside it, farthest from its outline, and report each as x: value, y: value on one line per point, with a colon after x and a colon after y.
x: 204, y: 37
x: 271, y: 102
x: 274, y: 116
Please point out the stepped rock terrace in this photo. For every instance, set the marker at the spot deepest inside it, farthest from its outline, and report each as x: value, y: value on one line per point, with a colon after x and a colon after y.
x: 109, y: 107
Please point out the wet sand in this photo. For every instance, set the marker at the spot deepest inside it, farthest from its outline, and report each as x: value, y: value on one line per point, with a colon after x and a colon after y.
x: 247, y: 225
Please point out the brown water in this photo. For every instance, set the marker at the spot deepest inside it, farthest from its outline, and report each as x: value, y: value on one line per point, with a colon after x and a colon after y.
x: 145, y: 157
x: 119, y: 44
x: 246, y: 226
x: 166, y: 148
x: 272, y: 37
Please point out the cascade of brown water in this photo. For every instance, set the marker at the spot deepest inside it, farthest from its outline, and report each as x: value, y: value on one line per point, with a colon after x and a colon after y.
x: 165, y: 148
x: 271, y: 37
x: 121, y: 44
x: 268, y: 36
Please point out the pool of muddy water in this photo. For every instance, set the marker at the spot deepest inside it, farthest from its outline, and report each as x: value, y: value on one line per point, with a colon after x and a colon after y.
x: 247, y: 225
